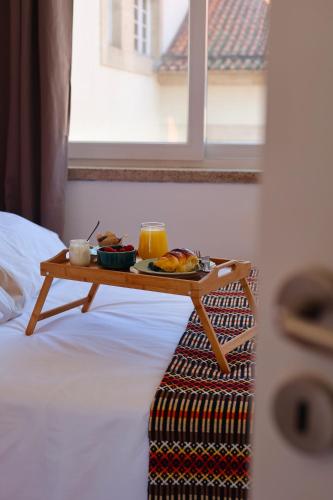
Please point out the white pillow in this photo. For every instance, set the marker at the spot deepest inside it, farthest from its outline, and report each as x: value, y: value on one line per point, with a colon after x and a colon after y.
x: 23, y: 245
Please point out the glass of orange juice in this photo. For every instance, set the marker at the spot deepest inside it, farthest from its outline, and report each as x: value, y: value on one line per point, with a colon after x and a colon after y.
x: 153, y: 240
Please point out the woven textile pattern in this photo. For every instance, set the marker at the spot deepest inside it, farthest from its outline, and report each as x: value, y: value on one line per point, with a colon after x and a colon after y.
x: 201, y: 420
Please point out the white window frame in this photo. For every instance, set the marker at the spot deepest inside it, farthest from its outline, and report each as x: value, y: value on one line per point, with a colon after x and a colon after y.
x: 195, y: 152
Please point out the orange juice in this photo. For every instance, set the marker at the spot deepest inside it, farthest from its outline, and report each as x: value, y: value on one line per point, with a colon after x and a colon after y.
x: 153, y: 241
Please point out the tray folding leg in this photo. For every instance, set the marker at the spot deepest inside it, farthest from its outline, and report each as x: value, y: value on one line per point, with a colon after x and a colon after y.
x: 39, y: 305
x: 221, y: 350
x: 37, y: 314
x: 90, y: 298
x: 212, y: 337
x: 250, y: 332
x: 249, y: 295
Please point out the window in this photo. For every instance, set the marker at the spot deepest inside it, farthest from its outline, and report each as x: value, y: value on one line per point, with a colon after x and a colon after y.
x: 142, y: 30
x: 169, y: 80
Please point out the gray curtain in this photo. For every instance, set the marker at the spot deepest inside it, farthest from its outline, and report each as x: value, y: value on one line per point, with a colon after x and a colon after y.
x: 35, y: 58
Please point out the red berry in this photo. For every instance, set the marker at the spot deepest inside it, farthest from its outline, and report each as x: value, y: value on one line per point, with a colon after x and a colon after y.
x: 129, y: 248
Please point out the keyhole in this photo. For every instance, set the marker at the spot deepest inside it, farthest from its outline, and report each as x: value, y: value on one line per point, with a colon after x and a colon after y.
x: 302, y: 416
x: 313, y: 311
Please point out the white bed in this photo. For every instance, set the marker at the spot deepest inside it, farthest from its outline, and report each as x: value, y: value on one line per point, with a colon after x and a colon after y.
x: 75, y: 397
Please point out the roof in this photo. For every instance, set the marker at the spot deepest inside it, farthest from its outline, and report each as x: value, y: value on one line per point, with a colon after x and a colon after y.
x: 237, y: 37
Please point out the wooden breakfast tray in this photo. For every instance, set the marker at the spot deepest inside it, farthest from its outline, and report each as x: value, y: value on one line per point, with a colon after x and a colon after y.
x: 225, y: 272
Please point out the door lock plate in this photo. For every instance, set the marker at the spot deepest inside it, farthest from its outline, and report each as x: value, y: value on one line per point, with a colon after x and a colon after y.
x: 303, y: 411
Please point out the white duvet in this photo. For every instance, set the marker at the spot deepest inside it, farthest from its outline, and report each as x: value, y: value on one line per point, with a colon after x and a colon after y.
x: 75, y: 397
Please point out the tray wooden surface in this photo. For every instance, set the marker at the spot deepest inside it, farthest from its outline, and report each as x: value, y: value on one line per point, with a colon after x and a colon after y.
x: 196, y: 285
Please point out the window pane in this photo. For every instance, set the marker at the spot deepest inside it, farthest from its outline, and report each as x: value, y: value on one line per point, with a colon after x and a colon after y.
x: 237, y: 38
x: 136, y: 90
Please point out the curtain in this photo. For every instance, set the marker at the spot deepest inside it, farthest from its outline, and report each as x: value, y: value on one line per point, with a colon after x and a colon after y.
x: 35, y: 58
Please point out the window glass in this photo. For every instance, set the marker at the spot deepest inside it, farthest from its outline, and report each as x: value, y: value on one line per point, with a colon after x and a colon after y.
x: 129, y: 84
x: 130, y: 71
x: 237, y: 39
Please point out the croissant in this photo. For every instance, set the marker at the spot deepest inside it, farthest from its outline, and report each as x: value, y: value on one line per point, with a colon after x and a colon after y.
x: 179, y: 260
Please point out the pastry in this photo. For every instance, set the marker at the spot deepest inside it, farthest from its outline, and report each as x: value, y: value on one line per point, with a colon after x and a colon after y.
x: 179, y: 260
x: 108, y: 238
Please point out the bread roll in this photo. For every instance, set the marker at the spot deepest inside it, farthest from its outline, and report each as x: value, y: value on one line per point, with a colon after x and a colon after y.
x: 107, y: 238
x: 179, y: 260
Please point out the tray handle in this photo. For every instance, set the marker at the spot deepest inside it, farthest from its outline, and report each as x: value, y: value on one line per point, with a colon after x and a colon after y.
x: 60, y: 257
x: 215, y: 279
x: 215, y: 272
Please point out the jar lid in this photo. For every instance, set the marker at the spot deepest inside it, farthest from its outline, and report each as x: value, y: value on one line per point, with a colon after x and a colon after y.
x: 78, y: 242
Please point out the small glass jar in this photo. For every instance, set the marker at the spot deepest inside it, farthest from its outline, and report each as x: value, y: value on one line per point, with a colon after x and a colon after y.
x: 79, y: 252
x: 153, y: 240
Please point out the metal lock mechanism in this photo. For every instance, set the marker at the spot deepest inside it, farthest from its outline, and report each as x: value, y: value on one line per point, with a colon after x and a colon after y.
x: 303, y: 407
x: 305, y: 308
x: 303, y: 411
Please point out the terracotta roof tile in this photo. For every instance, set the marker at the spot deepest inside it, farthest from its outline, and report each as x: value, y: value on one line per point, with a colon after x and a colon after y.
x: 237, y: 37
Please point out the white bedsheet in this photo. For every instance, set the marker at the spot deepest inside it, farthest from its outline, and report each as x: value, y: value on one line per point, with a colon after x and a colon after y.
x: 75, y: 397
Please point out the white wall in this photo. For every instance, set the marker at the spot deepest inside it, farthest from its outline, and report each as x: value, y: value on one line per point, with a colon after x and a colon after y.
x: 218, y: 219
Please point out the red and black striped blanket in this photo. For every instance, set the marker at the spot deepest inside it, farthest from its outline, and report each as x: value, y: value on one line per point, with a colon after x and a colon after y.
x: 201, y: 420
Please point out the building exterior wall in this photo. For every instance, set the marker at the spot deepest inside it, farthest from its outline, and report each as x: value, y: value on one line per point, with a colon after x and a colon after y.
x: 107, y: 104
x: 235, y: 108
x: 236, y: 112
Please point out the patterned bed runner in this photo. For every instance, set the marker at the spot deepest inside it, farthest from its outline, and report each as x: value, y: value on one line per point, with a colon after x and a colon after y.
x: 201, y: 421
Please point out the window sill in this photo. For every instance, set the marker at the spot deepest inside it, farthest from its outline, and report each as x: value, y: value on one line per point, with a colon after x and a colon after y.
x: 184, y: 175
